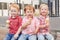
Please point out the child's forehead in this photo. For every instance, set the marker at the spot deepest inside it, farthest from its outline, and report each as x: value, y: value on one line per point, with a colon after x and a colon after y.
x: 44, y: 7
x: 14, y: 6
x: 29, y: 9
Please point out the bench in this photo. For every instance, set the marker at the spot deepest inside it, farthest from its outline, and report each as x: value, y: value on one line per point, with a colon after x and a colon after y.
x: 55, y: 34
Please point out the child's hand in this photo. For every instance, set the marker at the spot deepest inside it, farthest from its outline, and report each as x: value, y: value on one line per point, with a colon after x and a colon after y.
x: 7, y: 23
x: 42, y: 26
x: 47, y: 20
x: 29, y: 21
x: 16, y: 36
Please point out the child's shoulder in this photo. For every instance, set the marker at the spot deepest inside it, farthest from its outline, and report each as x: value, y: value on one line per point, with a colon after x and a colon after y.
x: 36, y: 19
x: 24, y: 18
x: 20, y: 17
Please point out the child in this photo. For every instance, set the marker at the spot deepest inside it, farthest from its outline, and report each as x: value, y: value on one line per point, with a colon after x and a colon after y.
x: 14, y: 21
x: 29, y: 24
x: 44, y: 23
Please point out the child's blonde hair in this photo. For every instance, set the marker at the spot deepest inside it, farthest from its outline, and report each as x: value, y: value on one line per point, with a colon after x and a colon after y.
x: 14, y: 5
x: 43, y: 4
x: 29, y: 7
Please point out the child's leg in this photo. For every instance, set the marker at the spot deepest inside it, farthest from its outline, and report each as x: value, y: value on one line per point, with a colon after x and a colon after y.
x: 23, y: 37
x: 40, y: 37
x: 32, y: 37
x: 8, y: 36
x: 49, y: 37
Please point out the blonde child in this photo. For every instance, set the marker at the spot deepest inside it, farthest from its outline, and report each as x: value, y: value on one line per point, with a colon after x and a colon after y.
x: 44, y: 23
x: 14, y: 21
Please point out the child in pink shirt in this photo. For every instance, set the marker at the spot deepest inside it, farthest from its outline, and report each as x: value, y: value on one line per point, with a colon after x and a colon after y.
x: 44, y: 23
x: 29, y: 24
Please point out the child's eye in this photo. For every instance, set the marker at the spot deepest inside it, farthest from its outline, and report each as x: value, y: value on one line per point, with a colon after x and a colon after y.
x: 27, y: 11
x: 13, y: 10
x: 45, y: 9
x: 30, y: 11
x: 42, y: 9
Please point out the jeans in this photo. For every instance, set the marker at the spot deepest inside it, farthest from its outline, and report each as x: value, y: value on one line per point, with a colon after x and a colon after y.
x: 10, y: 37
x: 27, y: 36
x: 46, y: 36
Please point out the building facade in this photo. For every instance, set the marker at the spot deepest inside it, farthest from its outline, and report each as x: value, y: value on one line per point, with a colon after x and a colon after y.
x: 54, y: 6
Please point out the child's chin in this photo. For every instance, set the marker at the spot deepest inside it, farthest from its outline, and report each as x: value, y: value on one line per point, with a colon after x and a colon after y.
x: 13, y: 17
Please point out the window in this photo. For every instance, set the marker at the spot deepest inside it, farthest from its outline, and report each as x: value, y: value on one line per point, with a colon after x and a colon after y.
x: 4, y: 5
x: 0, y: 5
x: 35, y: 6
x: 20, y: 6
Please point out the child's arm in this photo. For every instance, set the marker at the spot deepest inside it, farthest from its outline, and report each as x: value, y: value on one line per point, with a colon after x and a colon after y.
x: 36, y: 31
x: 37, y: 24
x: 18, y: 32
x: 46, y: 24
x: 26, y: 23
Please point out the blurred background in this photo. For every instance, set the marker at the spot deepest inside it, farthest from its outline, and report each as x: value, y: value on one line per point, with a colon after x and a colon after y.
x: 54, y: 13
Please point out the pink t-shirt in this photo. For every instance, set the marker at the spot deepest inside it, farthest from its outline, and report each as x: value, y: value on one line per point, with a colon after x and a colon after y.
x: 32, y: 27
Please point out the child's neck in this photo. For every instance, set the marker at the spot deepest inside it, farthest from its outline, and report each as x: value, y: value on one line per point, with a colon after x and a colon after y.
x: 44, y: 16
x: 14, y: 16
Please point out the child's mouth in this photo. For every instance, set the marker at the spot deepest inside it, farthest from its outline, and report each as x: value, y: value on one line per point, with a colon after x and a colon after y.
x: 31, y: 16
x: 43, y: 12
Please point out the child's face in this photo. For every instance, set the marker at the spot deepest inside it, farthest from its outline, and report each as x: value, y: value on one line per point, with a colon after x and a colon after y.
x: 44, y: 10
x: 14, y: 12
x: 29, y: 13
